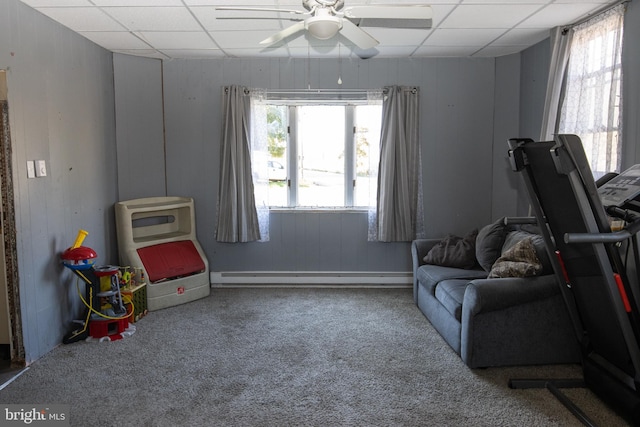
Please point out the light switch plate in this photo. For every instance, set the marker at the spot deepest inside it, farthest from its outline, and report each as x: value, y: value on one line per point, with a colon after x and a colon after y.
x: 41, y: 168
x: 31, y: 169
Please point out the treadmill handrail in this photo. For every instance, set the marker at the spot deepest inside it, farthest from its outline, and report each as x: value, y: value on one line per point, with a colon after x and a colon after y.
x: 614, y: 237
x: 518, y: 220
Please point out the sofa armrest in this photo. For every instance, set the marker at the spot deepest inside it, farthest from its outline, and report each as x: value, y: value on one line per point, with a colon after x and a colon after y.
x: 516, y: 321
x: 420, y: 248
x: 484, y: 295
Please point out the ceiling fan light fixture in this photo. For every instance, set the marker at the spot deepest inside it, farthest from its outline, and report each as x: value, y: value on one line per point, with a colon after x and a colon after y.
x: 323, y: 27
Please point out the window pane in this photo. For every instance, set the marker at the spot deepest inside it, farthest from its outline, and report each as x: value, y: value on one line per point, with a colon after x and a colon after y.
x: 367, y: 140
x: 277, y: 162
x: 321, y: 156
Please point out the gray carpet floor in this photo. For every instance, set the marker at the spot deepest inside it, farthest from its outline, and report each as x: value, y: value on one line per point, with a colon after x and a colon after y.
x: 290, y: 357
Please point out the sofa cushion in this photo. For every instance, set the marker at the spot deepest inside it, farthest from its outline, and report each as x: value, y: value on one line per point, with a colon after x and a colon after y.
x: 514, y: 237
x: 454, y: 251
x: 450, y: 293
x: 430, y: 275
x: 489, y: 243
x: 520, y: 260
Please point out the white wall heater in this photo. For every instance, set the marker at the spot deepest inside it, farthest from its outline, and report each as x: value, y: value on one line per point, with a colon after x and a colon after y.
x: 312, y: 278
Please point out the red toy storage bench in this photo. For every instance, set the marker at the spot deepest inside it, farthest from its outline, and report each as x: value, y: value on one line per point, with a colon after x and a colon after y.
x: 171, y: 260
x: 158, y: 234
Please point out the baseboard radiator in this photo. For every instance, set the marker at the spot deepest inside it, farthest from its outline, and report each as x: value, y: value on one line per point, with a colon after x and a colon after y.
x: 312, y: 278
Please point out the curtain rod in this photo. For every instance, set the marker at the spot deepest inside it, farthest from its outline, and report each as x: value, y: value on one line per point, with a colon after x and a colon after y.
x: 361, y: 92
x: 413, y: 89
x: 248, y: 90
x: 320, y: 91
x: 597, y: 13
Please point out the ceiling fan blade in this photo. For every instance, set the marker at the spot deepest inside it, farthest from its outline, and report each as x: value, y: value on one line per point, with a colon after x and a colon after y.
x: 289, y: 31
x: 261, y: 9
x: 409, y: 12
x: 366, y: 53
x: 357, y: 35
x: 393, y: 23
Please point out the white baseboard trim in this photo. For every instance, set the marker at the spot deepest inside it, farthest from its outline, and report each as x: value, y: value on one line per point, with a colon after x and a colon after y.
x: 311, y: 278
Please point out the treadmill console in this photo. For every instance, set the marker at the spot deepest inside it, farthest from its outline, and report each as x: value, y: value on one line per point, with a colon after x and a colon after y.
x: 622, y: 190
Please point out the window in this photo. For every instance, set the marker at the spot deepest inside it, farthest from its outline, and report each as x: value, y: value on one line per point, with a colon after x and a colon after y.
x: 323, y: 155
x: 593, y: 100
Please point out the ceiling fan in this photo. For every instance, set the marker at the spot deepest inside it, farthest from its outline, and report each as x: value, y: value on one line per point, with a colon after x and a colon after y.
x: 325, y: 18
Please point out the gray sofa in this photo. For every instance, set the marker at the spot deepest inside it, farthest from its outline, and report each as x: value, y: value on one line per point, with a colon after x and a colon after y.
x: 493, y: 321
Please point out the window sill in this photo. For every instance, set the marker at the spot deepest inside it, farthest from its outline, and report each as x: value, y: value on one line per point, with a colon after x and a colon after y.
x: 318, y: 210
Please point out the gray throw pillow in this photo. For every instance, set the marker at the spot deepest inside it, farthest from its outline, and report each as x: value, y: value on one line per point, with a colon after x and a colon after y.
x: 489, y: 243
x: 454, y: 251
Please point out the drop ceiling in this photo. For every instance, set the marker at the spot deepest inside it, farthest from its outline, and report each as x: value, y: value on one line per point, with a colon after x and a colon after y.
x: 169, y: 29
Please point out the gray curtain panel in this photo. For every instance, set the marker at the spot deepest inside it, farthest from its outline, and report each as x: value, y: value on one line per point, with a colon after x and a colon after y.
x: 399, y: 171
x: 237, y: 217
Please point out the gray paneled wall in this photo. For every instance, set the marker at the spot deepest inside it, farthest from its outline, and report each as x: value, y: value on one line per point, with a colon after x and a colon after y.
x: 60, y: 92
x: 631, y: 86
x: 507, y: 100
x: 139, y: 128
x: 458, y: 129
x: 533, y: 85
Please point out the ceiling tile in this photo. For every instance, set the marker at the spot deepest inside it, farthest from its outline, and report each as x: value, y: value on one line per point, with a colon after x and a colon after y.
x: 557, y: 15
x: 130, y: 3
x: 398, y: 36
x: 463, y: 37
x: 445, y: 51
x: 154, y: 18
x: 507, y: 1
x: 178, y: 40
x: 236, y: 39
x: 440, y: 12
x: 148, y: 53
x: 210, y: 20
x: 259, y: 52
x: 57, y: 3
x: 395, y: 51
x: 82, y: 18
x: 522, y: 37
x: 178, y: 28
x: 194, y: 53
x: 489, y: 16
x: 496, y: 51
x: 253, y: 3
x: 595, y: 2
x: 115, y: 40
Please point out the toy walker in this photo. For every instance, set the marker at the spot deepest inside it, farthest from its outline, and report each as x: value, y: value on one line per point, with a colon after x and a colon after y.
x: 106, y: 316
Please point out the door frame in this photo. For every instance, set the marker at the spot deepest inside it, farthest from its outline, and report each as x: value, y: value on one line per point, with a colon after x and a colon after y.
x: 9, y: 232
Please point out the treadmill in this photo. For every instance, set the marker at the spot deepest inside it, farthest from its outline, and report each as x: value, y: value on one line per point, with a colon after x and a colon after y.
x: 574, y: 215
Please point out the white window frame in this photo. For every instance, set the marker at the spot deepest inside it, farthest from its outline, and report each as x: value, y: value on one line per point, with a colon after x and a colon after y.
x: 350, y: 172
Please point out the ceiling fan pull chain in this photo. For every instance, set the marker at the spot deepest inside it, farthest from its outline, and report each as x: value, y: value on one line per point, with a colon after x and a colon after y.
x: 339, y: 65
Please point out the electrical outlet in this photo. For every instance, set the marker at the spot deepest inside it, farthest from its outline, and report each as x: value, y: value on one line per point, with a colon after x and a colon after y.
x: 41, y: 168
x: 31, y: 169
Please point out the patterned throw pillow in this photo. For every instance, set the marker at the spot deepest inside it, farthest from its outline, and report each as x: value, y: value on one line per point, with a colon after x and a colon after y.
x: 518, y: 261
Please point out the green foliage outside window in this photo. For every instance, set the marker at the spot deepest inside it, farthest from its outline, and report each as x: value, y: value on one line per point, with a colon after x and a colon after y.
x: 276, y: 137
